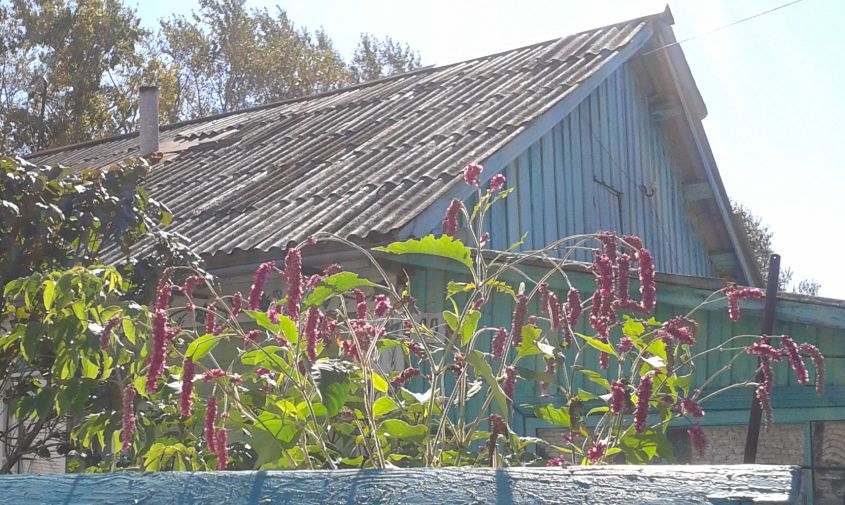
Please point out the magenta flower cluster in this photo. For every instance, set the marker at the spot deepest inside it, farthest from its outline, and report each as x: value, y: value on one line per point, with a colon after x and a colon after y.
x: 697, y: 439
x: 188, y: 372
x: 406, y: 375
x: 499, y: 340
x: 643, y: 398
x: 472, y: 173
x: 518, y: 321
x: 293, y: 276
x: 509, y: 381
x: 618, y: 397
x: 258, y: 281
x: 450, y: 220
x: 105, y: 335
x: 128, y: 417
x: 161, y: 334
x: 735, y: 294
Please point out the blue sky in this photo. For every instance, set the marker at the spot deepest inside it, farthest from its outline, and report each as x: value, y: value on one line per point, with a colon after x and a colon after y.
x: 776, y: 116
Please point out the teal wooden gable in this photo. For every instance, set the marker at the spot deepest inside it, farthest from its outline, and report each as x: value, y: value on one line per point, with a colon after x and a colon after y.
x: 606, y: 166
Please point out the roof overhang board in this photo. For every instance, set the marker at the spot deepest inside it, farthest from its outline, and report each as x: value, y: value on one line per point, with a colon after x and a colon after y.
x: 429, y: 219
x: 694, y: 111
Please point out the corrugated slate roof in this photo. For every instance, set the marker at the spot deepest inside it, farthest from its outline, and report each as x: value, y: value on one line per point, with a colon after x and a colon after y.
x: 360, y: 161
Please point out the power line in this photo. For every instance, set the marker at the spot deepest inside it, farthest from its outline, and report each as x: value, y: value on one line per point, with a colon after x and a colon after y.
x: 734, y: 23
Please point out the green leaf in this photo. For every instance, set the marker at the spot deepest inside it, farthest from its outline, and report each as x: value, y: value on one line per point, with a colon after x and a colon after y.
x: 379, y: 383
x: 285, y: 325
x: 469, y: 326
x: 89, y: 369
x: 550, y: 414
x: 633, y: 328
x: 443, y: 246
x: 49, y: 293
x: 13, y: 288
x: 598, y: 344
x: 32, y: 339
x: 453, y: 288
x: 128, y: 329
x: 598, y: 410
x: 528, y: 346
x: 597, y: 378
x: 335, y: 285
x: 384, y: 405
x: 400, y: 429
x: 140, y: 384
x: 482, y: 368
x: 451, y: 319
x: 202, y: 346
x: 264, y: 357
x: 332, y: 379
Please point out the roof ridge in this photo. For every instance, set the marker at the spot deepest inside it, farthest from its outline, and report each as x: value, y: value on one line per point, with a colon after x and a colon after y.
x: 665, y: 15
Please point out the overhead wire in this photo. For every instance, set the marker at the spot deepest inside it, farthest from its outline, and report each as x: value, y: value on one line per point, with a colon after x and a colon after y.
x: 733, y: 23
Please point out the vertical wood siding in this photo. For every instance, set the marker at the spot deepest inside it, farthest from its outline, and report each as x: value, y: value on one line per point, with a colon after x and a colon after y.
x: 792, y: 401
x: 593, y: 171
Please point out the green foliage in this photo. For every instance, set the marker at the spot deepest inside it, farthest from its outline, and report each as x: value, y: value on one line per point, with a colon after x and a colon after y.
x: 345, y: 378
x: 443, y: 246
x: 760, y: 239
x: 58, y: 299
x: 70, y: 71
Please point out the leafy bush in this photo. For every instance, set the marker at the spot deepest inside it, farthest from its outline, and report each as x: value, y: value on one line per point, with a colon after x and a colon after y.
x: 298, y: 383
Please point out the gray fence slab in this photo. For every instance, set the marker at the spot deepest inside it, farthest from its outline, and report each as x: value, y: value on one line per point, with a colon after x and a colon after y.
x: 628, y: 485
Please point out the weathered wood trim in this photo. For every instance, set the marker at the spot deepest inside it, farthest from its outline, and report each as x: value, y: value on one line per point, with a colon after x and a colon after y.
x: 688, y: 484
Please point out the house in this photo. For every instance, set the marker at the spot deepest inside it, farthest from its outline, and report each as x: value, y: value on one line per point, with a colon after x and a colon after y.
x: 597, y: 130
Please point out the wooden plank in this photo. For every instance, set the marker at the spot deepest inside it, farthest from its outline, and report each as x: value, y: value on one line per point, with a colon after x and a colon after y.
x: 561, y: 177
x: 536, y: 202
x: 498, y: 218
x: 512, y: 204
x: 684, y: 484
x: 523, y: 191
x: 549, y: 188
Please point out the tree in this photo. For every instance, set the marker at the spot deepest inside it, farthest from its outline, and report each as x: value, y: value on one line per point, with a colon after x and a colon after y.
x: 376, y: 58
x: 230, y: 57
x: 68, y: 53
x: 760, y: 238
x: 55, y: 226
x: 70, y: 71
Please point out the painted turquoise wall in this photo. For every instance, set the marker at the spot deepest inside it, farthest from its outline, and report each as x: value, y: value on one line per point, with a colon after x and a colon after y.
x: 593, y: 171
x: 792, y: 402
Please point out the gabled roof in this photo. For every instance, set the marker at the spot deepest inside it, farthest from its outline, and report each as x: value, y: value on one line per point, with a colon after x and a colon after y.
x: 367, y: 162
x: 358, y: 161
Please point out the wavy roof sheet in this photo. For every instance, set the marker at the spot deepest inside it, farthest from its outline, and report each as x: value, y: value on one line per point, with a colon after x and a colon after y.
x: 361, y: 162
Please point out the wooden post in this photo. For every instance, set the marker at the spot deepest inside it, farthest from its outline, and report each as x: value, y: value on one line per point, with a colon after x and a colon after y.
x: 753, y: 435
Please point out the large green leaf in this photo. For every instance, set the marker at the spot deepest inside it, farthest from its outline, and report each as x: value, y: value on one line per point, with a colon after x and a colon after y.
x: 334, y: 285
x: 443, y: 246
x: 528, y: 346
x: 468, y: 325
x: 550, y: 414
x: 202, y: 346
x: 400, y: 429
x: 482, y: 368
x: 285, y: 326
x: 332, y: 379
x: 596, y: 377
x: 384, y: 405
x: 598, y: 344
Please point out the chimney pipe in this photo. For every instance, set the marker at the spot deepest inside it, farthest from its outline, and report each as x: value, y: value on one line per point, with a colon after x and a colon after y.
x: 148, y: 109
